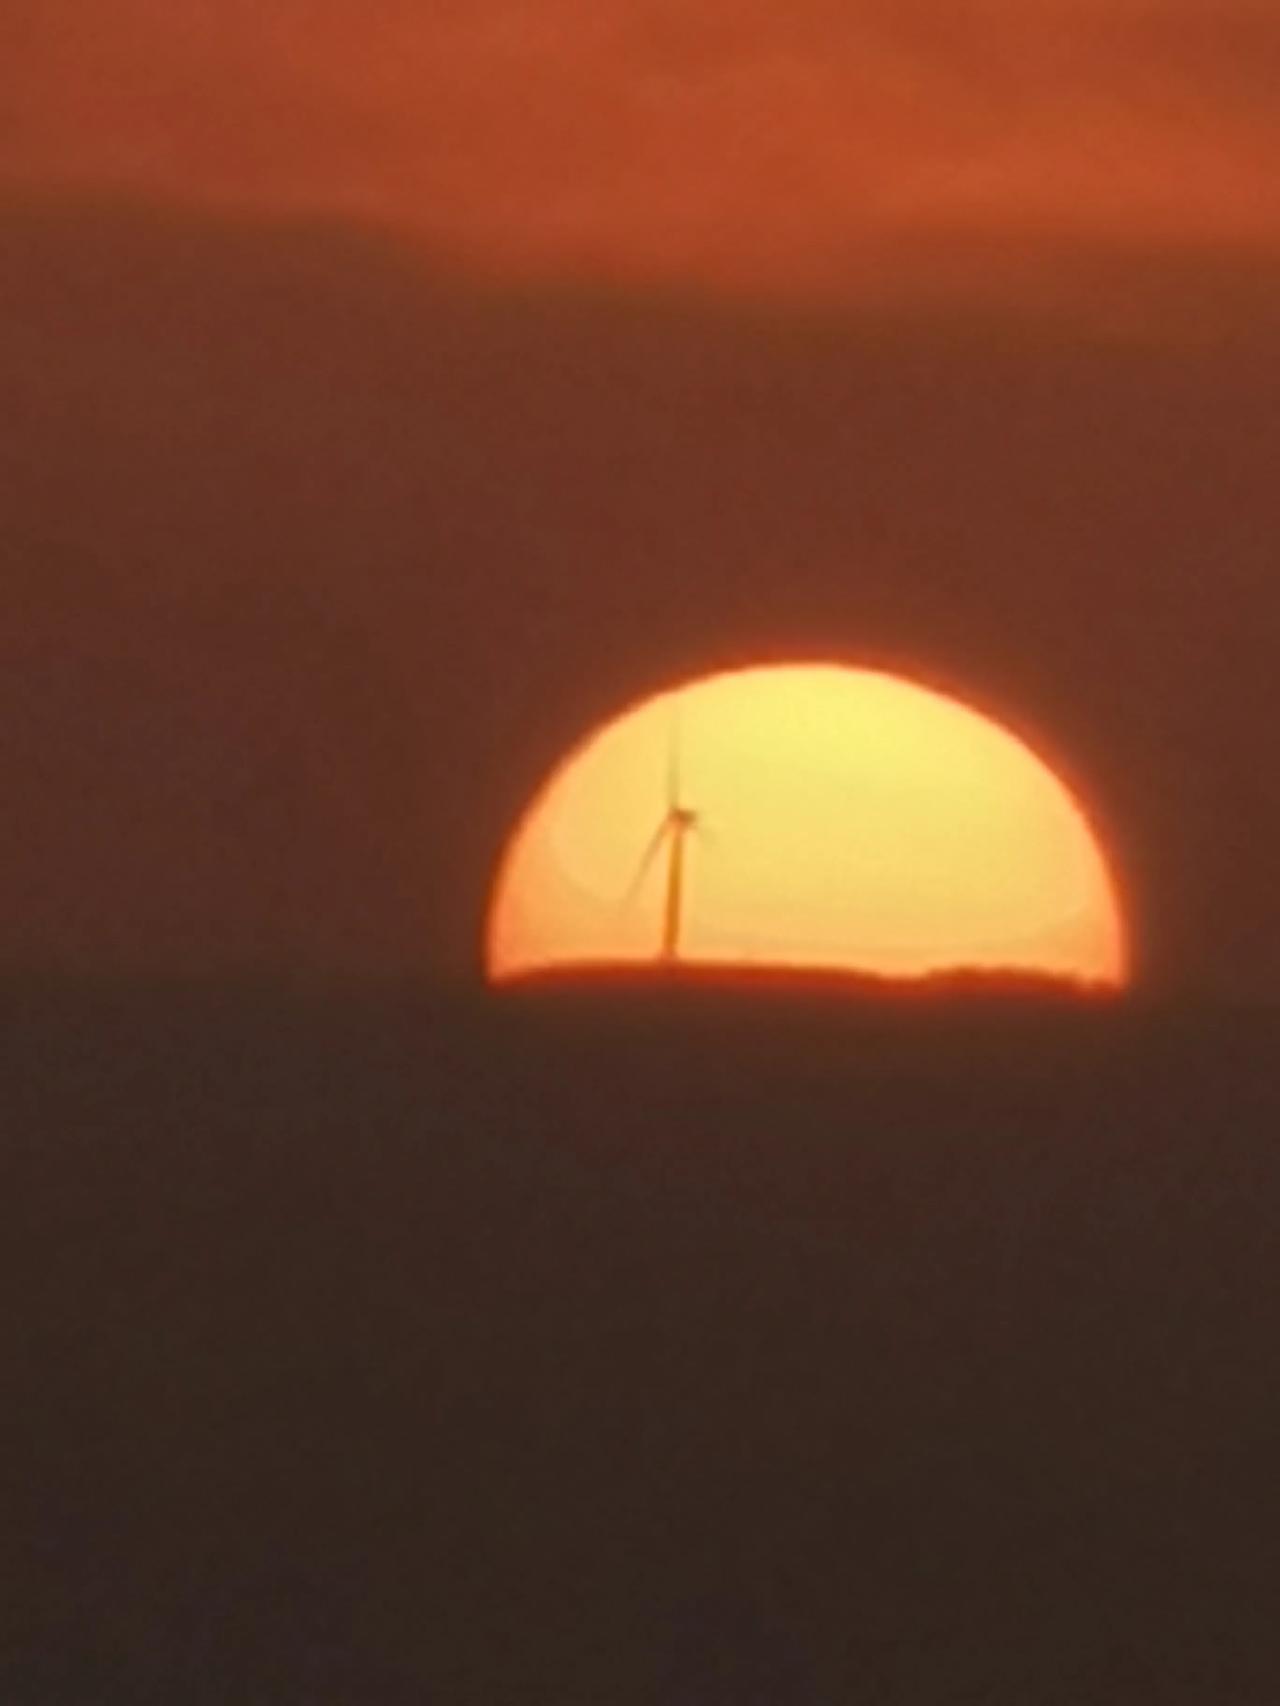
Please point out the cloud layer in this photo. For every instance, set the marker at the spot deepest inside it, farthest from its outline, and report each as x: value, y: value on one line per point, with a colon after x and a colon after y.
x: 801, y: 144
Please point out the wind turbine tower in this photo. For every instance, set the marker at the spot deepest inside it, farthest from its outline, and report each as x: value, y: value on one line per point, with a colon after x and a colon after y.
x: 679, y: 822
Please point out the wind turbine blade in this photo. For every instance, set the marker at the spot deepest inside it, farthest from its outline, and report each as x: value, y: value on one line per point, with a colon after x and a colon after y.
x: 673, y: 760
x: 648, y: 860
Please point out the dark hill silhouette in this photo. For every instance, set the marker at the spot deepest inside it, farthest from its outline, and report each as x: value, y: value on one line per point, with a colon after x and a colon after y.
x: 374, y: 1344
x: 687, y: 981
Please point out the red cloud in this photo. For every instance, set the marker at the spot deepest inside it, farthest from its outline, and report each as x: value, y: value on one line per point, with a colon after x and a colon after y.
x: 795, y: 144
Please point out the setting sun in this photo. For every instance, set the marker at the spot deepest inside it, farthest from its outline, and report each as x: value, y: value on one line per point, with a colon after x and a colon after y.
x: 806, y: 817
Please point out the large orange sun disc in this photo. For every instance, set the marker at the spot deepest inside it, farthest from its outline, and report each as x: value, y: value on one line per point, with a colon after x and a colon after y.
x: 807, y: 817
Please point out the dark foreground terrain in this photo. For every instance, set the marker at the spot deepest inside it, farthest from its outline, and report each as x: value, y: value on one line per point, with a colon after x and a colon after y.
x: 362, y: 1347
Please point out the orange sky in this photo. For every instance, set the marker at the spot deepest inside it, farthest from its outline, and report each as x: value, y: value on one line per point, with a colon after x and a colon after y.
x: 791, y: 145
x: 229, y: 433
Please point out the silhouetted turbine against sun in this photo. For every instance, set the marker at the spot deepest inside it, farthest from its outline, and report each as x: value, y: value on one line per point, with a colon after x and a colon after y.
x: 678, y: 823
x: 863, y: 823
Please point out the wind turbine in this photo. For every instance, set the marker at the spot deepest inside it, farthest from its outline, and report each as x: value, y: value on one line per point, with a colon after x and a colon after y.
x: 678, y: 823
